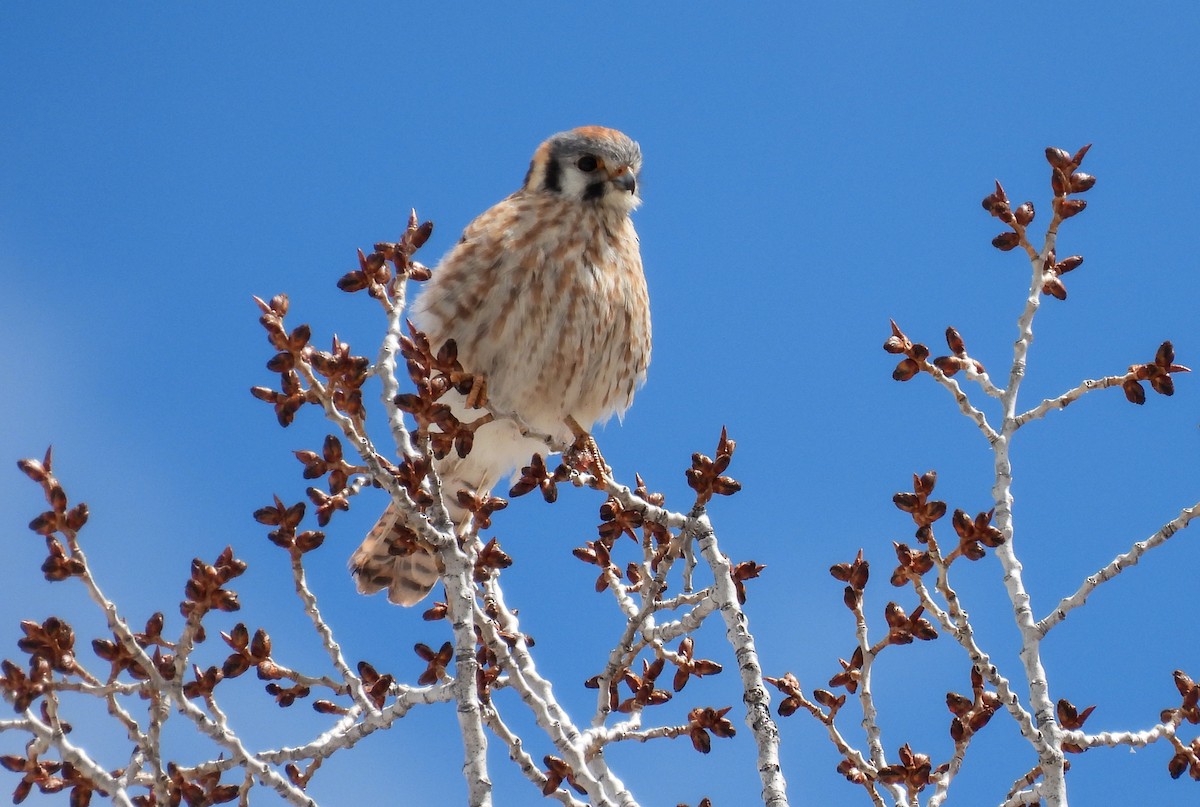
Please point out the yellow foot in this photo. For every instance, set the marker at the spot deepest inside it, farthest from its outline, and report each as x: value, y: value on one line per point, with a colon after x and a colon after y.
x: 585, y: 447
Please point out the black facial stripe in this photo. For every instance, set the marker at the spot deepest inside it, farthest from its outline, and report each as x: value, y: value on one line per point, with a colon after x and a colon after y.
x: 594, y: 191
x: 553, y: 181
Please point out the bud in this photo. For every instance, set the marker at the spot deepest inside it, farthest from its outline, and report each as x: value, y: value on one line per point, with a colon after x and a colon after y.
x: 905, y: 370
x: 1081, y: 182
x: 957, y: 704
x: 1058, y: 182
x: 1006, y: 241
x: 1071, y: 207
x: 1054, y: 287
x: 1133, y: 391
x: 77, y: 516
x: 1058, y: 158
x: 33, y: 469
x: 1184, y: 683
x: 353, y: 281
x: 1024, y: 214
x: 1068, y: 264
x: 421, y: 234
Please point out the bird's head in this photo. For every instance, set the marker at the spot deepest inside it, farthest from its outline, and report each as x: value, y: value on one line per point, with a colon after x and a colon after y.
x: 591, y: 164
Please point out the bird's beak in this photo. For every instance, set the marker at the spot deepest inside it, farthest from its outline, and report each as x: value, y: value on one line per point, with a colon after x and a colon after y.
x: 624, y: 179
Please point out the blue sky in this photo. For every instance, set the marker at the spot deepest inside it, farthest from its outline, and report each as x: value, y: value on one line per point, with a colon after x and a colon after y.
x: 811, y: 172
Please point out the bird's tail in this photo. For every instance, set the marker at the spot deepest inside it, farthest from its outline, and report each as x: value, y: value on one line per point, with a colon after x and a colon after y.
x: 390, y: 558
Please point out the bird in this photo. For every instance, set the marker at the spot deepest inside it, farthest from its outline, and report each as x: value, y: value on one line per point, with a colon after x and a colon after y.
x: 544, y: 297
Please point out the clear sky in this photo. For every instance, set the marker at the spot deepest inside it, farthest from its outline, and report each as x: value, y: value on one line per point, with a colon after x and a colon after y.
x: 811, y: 170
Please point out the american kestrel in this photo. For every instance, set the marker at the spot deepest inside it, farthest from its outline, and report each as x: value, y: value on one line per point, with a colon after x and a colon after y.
x: 544, y: 296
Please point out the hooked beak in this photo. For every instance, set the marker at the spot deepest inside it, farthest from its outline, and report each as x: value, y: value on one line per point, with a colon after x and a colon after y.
x: 625, y: 180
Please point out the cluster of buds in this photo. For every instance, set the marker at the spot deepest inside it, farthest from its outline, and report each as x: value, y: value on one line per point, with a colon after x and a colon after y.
x: 53, y: 641
x: 331, y: 461
x: 971, y: 714
x: 345, y: 375
x: 488, y: 669
x: 536, y: 476
x: 1189, y: 709
x: 373, y: 274
x: 59, y: 519
x: 914, y: 772
x: 924, y: 511
x: 285, y: 696
x: 855, y: 575
x: 376, y: 685
x: 51, y: 648
x: 616, y: 521
x: 1053, y: 269
x: 285, y: 520
x: 644, y: 687
x: 703, y: 720
x: 122, y: 660
x: 205, y: 589
x: 904, y: 627
x: 950, y: 365
x: 344, y: 372
x: 490, y: 560
x: 557, y: 772
x: 291, y: 395
x: 1069, y: 717
x: 54, y: 777
x: 912, y: 564
x: 1065, y: 179
x: 794, y: 698
x: 740, y: 573
x: 1187, y: 757
x: 482, y: 508
x: 435, y: 374
x: 247, y: 652
x: 998, y: 205
x: 204, y: 788
x: 974, y: 535
x: 687, y: 665
x: 24, y: 688
x: 1158, y: 373
x: 851, y: 675
x: 436, y: 662
x: 599, y: 553
x: 706, y: 474
x: 915, y: 354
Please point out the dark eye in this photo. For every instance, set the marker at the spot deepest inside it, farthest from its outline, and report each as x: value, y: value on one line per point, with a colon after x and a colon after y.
x: 587, y: 164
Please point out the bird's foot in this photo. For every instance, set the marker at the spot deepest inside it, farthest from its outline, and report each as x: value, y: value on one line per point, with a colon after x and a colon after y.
x: 584, y: 454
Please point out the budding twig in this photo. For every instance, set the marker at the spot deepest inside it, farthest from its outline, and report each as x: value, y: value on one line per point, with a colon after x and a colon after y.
x: 1115, y: 567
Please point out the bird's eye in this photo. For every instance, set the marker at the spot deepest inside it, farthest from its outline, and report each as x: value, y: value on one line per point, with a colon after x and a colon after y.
x: 587, y: 164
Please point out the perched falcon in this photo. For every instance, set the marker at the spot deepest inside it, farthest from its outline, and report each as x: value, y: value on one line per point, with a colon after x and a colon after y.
x: 544, y: 296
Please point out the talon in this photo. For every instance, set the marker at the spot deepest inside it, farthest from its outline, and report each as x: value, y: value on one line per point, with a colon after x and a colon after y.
x: 586, y: 446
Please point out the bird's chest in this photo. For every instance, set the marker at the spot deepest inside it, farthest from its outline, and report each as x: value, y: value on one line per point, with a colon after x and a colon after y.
x: 578, y: 277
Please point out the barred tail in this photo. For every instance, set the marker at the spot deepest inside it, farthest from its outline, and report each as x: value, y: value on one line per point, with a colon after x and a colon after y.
x: 387, y: 558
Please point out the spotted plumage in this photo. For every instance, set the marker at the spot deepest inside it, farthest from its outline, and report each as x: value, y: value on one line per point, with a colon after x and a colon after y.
x: 544, y: 296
